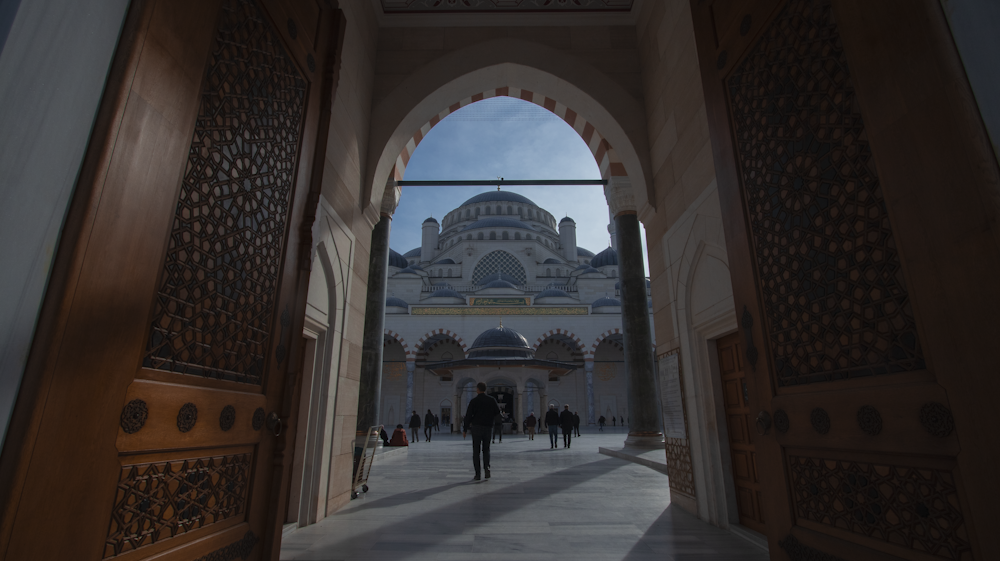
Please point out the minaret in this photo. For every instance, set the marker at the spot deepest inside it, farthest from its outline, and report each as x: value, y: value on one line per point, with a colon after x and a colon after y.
x: 567, y: 237
x: 611, y: 230
x: 429, y: 240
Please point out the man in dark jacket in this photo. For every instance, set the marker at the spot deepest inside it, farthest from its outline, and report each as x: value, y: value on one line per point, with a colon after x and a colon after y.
x: 479, y: 417
x: 428, y: 425
x: 552, y: 424
x: 414, y: 427
x: 529, y: 425
x: 566, y: 422
x: 576, y: 423
x: 497, y: 428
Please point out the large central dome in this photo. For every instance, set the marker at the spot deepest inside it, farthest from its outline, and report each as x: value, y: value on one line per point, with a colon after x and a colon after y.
x: 497, y: 196
x: 501, y: 343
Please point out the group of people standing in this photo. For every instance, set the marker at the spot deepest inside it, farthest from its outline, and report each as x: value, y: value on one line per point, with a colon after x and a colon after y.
x: 431, y: 423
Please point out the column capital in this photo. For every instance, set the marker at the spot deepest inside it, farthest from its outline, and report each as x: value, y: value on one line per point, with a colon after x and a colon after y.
x: 618, y: 192
x: 390, y: 198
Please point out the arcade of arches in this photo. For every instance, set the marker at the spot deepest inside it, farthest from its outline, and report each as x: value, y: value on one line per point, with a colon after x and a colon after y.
x: 196, y: 208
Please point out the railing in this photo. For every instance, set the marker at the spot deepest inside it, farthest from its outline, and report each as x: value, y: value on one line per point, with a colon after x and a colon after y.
x: 474, y: 288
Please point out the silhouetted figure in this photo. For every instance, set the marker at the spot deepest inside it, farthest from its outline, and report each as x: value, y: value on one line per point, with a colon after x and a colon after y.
x: 428, y: 425
x: 498, y: 428
x: 385, y: 437
x: 437, y: 423
x: 399, y: 437
x: 601, y: 421
x: 529, y: 425
x: 552, y: 424
x: 613, y: 420
x: 576, y: 423
x: 414, y: 427
x: 479, y: 417
x: 566, y: 422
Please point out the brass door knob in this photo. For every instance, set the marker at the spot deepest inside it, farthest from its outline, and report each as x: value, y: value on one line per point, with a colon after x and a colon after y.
x: 274, y: 424
x: 763, y: 422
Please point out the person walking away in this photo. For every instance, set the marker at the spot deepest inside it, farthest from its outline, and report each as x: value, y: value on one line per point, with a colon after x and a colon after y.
x: 566, y: 422
x: 437, y: 423
x: 612, y: 420
x: 479, y: 418
x: 428, y: 425
x: 529, y: 425
x: 552, y: 424
x: 600, y: 423
x: 576, y: 423
x: 623, y: 421
x: 414, y: 426
x: 498, y: 427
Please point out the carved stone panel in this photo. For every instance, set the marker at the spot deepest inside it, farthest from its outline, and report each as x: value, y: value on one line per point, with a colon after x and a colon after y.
x: 213, y: 311
x: 914, y: 508
x: 835, y: 302
x: 158, y: 501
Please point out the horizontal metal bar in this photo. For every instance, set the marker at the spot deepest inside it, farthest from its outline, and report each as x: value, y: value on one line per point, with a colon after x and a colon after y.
x: 498, y: 182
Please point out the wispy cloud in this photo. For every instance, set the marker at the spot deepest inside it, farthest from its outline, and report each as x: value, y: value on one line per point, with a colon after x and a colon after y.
x: 509, y: 138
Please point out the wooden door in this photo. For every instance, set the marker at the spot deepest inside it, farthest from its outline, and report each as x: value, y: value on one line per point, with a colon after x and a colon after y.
x: 856, y: 442
x: 739, y: 423
x: 156, y: 417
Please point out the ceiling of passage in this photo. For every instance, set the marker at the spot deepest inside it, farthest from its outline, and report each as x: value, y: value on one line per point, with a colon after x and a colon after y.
x: 503, y: 6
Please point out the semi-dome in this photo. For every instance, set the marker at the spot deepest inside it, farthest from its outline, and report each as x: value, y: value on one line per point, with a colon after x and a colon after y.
x: 397, y: 302
x: 579, y: 251
x: 446, y: 261
x: 397, y: 260
x: 500, y: 284
x: 551, y: 293
x: 415, y: 252
x: 497, y: 222
x: 499, y: 276
x: 407, y: 271
x: 567, y: 219
x: 601, y: 302
x: 431, y: 219
x: 501, y: 343
x: 498, y: 196
x: 446, y: 293
x: 607, y: 257
x: 551, y: 261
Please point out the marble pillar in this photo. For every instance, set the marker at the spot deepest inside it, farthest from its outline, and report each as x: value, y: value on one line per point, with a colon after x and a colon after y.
x: 588, y: 366
x: 644, y: 424
x: 370, y: 382
x: 411, y: 367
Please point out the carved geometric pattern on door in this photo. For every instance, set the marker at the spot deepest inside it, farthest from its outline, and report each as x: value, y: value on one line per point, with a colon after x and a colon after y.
x: 836, y: 305
x: 911, y: 507
x: 161, y: 500
x: 215, y: 303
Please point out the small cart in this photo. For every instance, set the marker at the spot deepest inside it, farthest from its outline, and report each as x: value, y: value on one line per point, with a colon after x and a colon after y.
x: 365, y: 460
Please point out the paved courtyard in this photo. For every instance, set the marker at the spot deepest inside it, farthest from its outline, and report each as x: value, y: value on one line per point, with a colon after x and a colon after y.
x: 540, y: 504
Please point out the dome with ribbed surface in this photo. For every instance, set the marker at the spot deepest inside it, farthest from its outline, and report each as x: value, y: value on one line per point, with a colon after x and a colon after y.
x: 582, y: 266
x: 499, y: 196
x: 607, y: 257
x: 551, y: 261
x: 431, y: 220
x: 584, y: 252
x: 397, y: 260
x: 497, y: 222
x: 567, y: 219
x: 446, y: 293
x: 397, y: 302
x: 501, y: 343
x: 499, y: 277
x: 590, y: 270
x: 551, y: 293
x: 407, y: 271
x: 446, y: 261
x: 415, y: 252
x: 601, y: 302
x: 500, y: 284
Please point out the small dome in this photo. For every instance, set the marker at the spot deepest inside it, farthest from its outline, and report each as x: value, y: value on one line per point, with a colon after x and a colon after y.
x: 397, y: 260
x: 603, y: 259
x: 431, y: 220
x: 618, y: 285
x: 551, y: 292
x: 567, y: 219
x: 580, y: 251
x: 601, y: 302
x: 397, y: 302
x: 416, y: 267
x: 446, y: 261
x: 590, y: 270
x: 497, y: 222
x: 415, y: 252
x: 499, y: 284
x: 581, y: 267
x: 407, y: 271
x: 501, y: 343
x: 499, y: 276
x: 498, y: 196
x: 446, y: 293
x: 551, y: 261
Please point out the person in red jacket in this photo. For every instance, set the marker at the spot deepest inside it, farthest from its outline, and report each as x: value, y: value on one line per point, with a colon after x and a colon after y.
x: 399, y: 437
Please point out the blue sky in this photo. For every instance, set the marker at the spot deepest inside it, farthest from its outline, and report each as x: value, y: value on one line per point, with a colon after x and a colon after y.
x: 510, y: 138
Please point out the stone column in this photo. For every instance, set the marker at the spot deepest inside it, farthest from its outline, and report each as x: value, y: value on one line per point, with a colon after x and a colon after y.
x: 644, y: 425
x: 588, y: 366
x: 370, y: 383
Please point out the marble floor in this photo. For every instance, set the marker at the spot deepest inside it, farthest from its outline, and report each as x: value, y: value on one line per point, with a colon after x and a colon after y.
x: 540, y: 504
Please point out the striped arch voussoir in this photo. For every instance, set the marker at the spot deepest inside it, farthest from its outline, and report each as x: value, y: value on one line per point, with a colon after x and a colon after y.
x: 567, y: 333
x: 600, y: 339
x: 410, y: 353
x: 607, y: 160
x: 449, y: 333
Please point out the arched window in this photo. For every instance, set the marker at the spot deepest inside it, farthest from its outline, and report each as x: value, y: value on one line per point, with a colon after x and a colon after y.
x: 446, y: 356
x: 486, y: 210
x: 499, y: 209
x: 493, y: 235
x: 548, y: 272
x: 510, y: 209
x: 505, y: 236
x: 466, y: 213
x: 517, y: 235
x: 480, y: 236
x: 552, y: 355
x: 519, y: 209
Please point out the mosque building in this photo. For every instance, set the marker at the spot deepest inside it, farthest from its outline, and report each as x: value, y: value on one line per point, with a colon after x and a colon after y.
x: 498, y: 292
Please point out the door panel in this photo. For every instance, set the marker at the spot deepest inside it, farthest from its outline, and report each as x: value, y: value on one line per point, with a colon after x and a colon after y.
x: 857, y: 459
x: 170, y: 344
